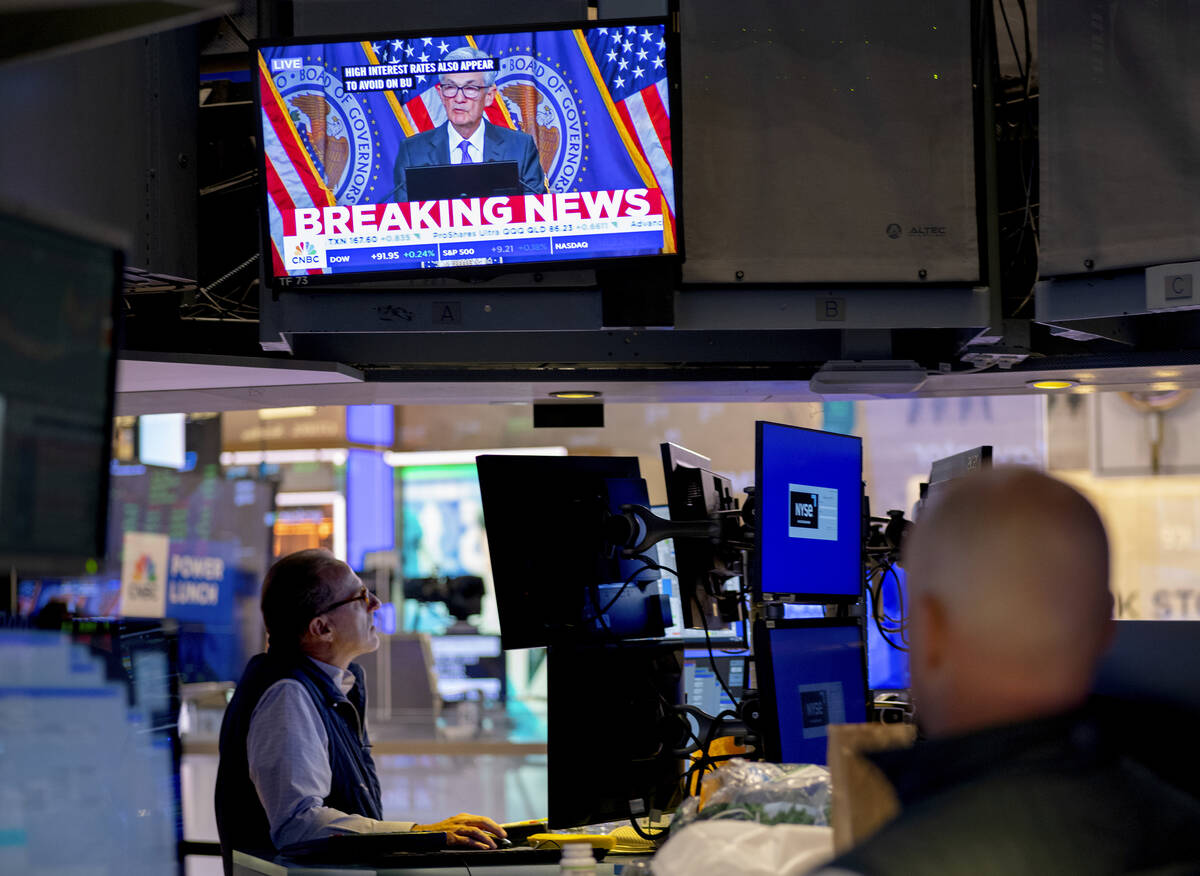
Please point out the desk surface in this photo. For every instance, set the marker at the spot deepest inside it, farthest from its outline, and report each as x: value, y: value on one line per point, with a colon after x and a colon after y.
x: 248, y: 865
x: 451, y: 747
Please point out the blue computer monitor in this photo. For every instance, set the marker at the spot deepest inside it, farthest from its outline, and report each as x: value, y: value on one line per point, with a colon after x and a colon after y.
x: 809, y: 494
x: 701, y: 686
x: 469, y: 667
x: 811, y: 673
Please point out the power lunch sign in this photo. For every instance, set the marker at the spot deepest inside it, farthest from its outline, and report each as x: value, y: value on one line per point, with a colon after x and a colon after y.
x: 189, y: 580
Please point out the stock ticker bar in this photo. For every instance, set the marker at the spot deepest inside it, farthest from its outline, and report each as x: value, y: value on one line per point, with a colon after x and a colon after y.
x: 473, y: 231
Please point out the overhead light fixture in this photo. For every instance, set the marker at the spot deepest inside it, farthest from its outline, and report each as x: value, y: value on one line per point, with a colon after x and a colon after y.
x: 575, y: 393
x: 287, y: 413
x: 1056, y: 383
x: 881, y: 377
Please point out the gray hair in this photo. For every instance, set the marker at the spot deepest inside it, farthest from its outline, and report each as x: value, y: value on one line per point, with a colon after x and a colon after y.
x: 294, y: 590
x: 470, y: 53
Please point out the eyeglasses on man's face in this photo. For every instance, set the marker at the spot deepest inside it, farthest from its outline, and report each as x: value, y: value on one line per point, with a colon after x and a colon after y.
x: 470, y: 92
x: 363, y: 596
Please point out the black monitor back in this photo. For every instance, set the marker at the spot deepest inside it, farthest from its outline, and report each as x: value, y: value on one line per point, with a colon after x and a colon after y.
x: 57, y: 371
x: 610, y: 739
x: 551, y: 566
x: 694, y: 492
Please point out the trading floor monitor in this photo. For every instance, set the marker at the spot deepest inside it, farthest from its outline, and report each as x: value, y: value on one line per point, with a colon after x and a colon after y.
x: 703, y: 675
x: 811, y: 674
x: 695, y: 493
x: 57, y: 371
x: 557, y: 579
x: 810, y: 510
x: 722, y: 635
x: 610, y: 736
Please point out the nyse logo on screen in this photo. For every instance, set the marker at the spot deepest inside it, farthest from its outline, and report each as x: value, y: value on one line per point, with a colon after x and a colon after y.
x: 302, y: 254
x: 804, y: 509
x: 286, y: 64
x: 812, y: 512
x: 814, y: 705
x: 821, y: 704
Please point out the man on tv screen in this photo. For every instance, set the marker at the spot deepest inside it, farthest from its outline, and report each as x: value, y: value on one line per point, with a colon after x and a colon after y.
x: 467, y: 138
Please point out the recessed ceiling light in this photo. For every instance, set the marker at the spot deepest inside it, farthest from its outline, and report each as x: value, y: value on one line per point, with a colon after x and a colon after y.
x: 1164, y: 387
x: 1083, y: 390
x: 1168, y: 373
x: 1058, y: 383
x: 575, y: 393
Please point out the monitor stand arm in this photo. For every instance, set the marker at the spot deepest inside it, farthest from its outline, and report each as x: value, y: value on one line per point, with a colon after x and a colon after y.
x: 636, y: 529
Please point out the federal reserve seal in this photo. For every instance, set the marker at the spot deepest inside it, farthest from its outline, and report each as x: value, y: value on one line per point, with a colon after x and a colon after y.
x: 333, y: 127
x: 542, y: 103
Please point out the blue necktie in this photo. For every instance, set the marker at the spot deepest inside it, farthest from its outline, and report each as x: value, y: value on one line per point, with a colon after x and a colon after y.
x: 465, y: 147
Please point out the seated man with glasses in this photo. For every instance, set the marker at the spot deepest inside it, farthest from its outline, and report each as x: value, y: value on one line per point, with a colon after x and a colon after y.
x: 295, y: 756
x: 466, y: 137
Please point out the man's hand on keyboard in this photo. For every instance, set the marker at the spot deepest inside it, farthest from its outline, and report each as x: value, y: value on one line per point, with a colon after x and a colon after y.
x: 472, y: 831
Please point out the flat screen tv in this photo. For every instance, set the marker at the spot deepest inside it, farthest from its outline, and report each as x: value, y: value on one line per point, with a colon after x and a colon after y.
x: 396, y: 154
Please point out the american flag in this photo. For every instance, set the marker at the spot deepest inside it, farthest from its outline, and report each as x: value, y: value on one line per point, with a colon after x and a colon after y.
x: 631, y: 61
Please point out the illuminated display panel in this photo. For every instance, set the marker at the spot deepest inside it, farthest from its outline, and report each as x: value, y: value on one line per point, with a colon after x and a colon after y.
x: 567, y: 154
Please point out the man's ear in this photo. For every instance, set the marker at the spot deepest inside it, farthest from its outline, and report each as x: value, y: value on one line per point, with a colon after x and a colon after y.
x: 319, y: 628
x: 489, y: 96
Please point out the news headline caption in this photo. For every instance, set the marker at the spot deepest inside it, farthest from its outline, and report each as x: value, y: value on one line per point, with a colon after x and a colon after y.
x: 386, y: 77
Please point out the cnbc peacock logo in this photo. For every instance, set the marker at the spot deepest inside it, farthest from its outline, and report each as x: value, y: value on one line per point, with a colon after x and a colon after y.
x: 304, y: 254
x: 145, y: 578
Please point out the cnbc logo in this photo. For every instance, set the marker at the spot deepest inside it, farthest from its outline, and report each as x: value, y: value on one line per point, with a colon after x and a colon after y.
x: 144, y: 580
x: 143, y: 570
x: 304, y: 254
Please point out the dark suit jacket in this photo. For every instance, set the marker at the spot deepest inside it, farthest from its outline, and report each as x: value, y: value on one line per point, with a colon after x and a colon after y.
x: 1050, y: 796
x: 499, y: 144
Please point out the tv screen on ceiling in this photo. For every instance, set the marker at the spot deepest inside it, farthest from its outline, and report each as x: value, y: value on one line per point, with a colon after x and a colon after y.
x: 436, y: 152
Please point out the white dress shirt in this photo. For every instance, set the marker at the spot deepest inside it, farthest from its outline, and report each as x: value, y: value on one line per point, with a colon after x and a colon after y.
x: 476, y: 141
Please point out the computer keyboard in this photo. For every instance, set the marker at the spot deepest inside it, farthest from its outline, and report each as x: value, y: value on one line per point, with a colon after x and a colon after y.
x: 416, y: 849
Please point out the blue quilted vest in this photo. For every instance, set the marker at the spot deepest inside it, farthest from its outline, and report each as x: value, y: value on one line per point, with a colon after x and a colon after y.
x: 241, y: 820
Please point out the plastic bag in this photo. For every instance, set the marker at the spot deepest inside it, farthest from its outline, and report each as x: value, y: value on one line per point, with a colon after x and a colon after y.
x: 720, y: 848
x: 766, y: 793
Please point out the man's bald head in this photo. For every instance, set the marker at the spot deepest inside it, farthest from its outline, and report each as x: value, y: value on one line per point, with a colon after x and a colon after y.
x: 1008, y: 576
